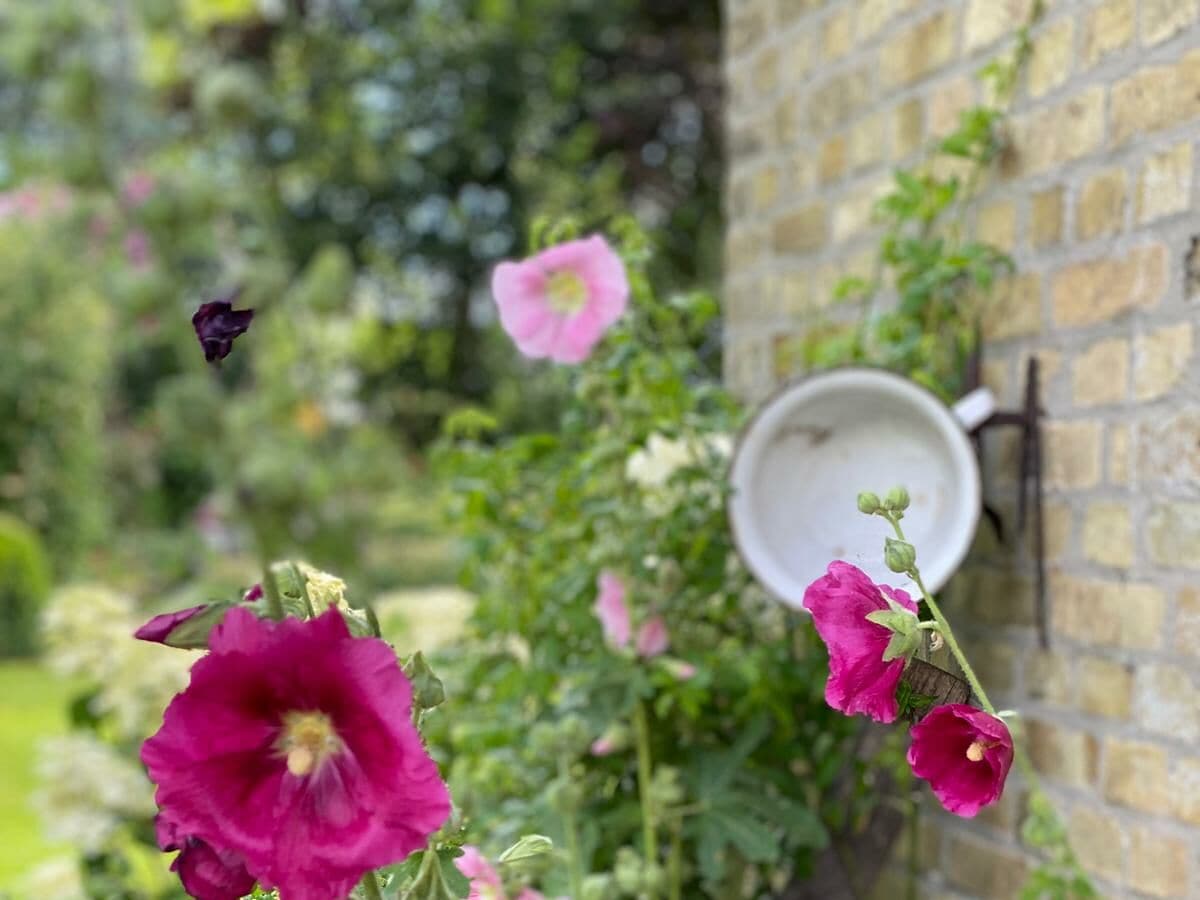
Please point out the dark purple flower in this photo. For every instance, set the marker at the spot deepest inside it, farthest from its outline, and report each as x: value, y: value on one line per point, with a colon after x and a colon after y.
x: 205, y: 872
x: 217, y: 323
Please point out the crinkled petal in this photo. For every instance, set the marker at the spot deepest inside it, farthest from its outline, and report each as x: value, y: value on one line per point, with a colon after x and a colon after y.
x: 611, y: 610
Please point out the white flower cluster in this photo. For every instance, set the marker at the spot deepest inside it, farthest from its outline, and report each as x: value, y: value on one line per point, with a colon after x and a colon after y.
x: 652, y: 467
x: 88, y: 632
x: 56, y: 879
x: 87, y: 790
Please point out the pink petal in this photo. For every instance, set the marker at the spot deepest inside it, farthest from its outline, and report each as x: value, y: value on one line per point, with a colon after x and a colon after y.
x: 611, y: 610
x: 653, y: 637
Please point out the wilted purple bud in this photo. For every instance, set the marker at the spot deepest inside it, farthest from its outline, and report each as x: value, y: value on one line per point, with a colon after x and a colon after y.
x: 217, y: 323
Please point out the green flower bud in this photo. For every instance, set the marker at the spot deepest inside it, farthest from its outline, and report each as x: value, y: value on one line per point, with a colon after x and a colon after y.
x: 896, y: 499
x: 428, y: 690
x: 598, y: 887
x: 628, y: 870
x: 868, y: 503
x: 900, y: 556
x: 527, y: 847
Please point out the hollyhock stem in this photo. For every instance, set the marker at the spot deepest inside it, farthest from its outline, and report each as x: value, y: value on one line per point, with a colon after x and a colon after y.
x: 371, y: 887
x: 571, y: 833
x: 645, y: 775
x: 944, y: 627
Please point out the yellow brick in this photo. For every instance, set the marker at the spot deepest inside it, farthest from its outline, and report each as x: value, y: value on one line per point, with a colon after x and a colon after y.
x: 1163, y: 19
x: 1135, y: 775
x: 802, y: 231
x: 1108, y: 29
x: 946, y: 102
x: 1058, y: 524
x: 1173, y: 534
x: 1108, y: 535
x: 1072, y: 454
x: 1160, y: 360
x: 1047, y: 217
x: 1105, y: 687
x: 799, y: 58
x: 788, y: 129
x: 994, y: 662
x: 1014, y: 308
x: 1098, y: 290
x: 1168, y: 449
x: 1050, y: 64
x: 853, y: 213
x: 907, y: 127
x: 1118, y: 454
x: 1187, y: 625
x: 766, y: 188
x: 837, y: 35
x: 838, y: 100
x: 1101, y: 208
x: 1159, y: 864
x: 873, y: 17
x: 766, y: 72
x: 831, y: 164
x: 983, y: 869
x: 1156, y: 97
x: 1096, y: 839
x: 997, y: 225
x: 1107, y: 614
x: 1185, y: 794
x: 1168, y: 703
x: 1100, y: 375
x: 1049, y: 678
x: 918, y: 50
x: 868, y: 141
x: 1066, y: 131
x: 1165, y: 185
x: 800, y: 170
x: 988, y: 20
x: 1063, y: 754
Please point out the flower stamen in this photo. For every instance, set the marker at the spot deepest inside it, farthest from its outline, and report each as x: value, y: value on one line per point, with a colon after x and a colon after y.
x: 307, y: 740
x: 977, y: 748
x: 565, y: 292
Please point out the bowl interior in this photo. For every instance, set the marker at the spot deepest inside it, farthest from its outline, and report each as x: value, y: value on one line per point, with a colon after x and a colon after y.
x: 814, y: 446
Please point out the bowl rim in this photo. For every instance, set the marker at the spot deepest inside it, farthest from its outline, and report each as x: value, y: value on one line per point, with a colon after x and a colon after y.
x: 957, y: 437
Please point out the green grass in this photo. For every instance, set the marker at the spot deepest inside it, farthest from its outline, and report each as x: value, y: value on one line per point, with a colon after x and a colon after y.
x: 32, y: 705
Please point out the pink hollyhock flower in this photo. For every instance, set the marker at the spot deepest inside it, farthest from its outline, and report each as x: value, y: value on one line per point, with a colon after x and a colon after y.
x: 603, y: 746
x: 205, y: 872
x: 293, y: 748
x: 485, y: 880
x: 652, y: 637
x: 859, y: 680
x: 611, y: 610
x: 964, y: 753
x: 559, y: 303
x: 137, y: 249
x: 138, y: 188
x: 158, y: 629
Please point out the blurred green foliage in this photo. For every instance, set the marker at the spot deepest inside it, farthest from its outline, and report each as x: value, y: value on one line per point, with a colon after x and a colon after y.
x: 356, y: 167
x: 752, y: 771
x: 24, y: 585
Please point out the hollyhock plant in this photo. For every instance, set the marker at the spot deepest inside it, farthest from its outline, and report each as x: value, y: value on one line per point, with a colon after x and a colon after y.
x: 860, y: 680
x: 217, y: 323
x: 611, y: 610
x: 485, y: 880
x: 653, y: 638
x: 293, y: 749
x: 964, y: 753
x: 559, y: 303
x: 205, y: 872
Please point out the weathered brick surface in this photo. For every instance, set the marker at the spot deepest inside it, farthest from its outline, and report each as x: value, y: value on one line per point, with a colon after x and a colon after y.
x: 1096, y: 200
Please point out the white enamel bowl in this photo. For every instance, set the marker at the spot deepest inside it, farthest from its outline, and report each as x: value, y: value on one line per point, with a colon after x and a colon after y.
x: 803, y: 459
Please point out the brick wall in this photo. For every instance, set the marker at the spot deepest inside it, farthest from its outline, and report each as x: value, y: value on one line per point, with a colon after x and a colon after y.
x: 1097, y: 205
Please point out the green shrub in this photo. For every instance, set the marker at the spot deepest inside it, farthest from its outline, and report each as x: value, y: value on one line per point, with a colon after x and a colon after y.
x: 24, y: 584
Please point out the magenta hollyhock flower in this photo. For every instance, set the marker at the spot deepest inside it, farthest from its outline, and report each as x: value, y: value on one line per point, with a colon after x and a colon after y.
x: 652, y: 637
x: 205, y: 872
x: 217, y: 323
x: 293, y: 748
x: 559, y: 303
x: 160, y: 627
x: 611, y: 610
x: 964, y: 753
x: 485, y: 880
x: 859, y: 680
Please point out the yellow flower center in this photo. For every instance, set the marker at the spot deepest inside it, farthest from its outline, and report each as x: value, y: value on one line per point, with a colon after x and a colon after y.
x: 565, y: 292
x: 307, y: 740
x: 975, y: 751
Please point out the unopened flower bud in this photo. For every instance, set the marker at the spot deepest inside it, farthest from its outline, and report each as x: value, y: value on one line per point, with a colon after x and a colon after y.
x: 868, y: 503
x: 528, y: 846
x: 900, y: 556
x: 896, y: 499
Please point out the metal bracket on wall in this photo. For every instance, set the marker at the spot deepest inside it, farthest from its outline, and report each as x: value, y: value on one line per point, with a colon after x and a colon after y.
x: 1029, y: 488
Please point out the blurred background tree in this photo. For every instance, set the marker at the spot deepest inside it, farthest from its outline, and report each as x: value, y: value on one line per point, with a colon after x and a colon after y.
x: 356, y: 167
